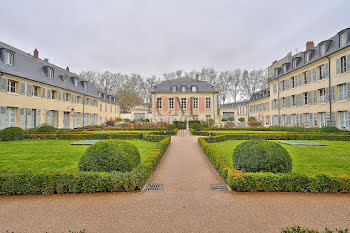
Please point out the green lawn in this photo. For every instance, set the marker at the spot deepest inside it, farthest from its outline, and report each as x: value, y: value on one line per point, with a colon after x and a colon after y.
x: 332, y: 159
x: 51, y: 155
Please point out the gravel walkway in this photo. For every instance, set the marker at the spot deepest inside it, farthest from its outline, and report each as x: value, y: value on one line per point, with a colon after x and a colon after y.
x: 185, y: 204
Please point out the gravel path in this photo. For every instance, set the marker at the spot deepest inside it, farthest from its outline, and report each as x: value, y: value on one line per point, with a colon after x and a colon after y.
x: 185, y: 204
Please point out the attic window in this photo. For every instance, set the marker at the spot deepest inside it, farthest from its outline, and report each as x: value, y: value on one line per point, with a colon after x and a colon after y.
x: 75, y: 81
x: 50, y: 72
x: 85, y: 85
x: 173, y: 88
x: 64, y: 77
x: 343, y: 39
x: 285, y: 66
x: 276, y: 72
x: 307, y: 56
x: 294, y: 63
x: 183, y: 88
x: 9, y: 58
x: 194, y: 88
x: 323, y: 49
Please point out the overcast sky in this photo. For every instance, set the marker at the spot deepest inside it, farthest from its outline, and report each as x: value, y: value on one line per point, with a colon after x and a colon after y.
x: 153, y: 37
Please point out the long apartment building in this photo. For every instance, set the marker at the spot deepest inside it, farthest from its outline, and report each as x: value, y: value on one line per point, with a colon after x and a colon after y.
x: 311, y: 88
x: 34, y: 92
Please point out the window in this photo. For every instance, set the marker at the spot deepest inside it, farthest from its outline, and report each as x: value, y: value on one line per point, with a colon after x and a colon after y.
x: 159, y: 103
x: 293, y: 100
x: 285, y: 68
x: 292, y: 81
x: 323, y: 49
x: 207, y: 103
x: 183, y: 88
x: 307, y: 57
x: 11, y: 117
x: 106, y: 108
x: 322, y: 93
x: 9, y: 57
x: 115, y: 109
x: 274, y: 88
x: 208, y: 117
x: 171, y: 102
x: 283, y: 102
x: 111, y: 109
x: 79, y: 101
x: 54, y: 95
x: 294, y: 63
x: 75, y: 82
x: 195, y: 117
x: 173, y: 88
x: 36, y: 91
x: 51, y: 73
x: 342, y: 120
x: 343, y: 64
x: 343, y: 39
x: 305, y: 78
x: 195, y: 102
x: 276, y: 72
x: 341, y: 91
x: 306, y: 100
x: 321, y: 72
x: 183, y: 103
x: 323, y: 120
x: 11, y: 87
x: 194, y: 88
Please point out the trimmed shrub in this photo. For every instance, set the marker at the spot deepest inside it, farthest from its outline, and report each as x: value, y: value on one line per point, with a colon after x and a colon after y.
x: 261, y: 156
x: 110, y: 156
x: 299, y: 229
x: 223, y: 119
x: 241, y: 119
x: 329, y: 129
x: 171, y: 127
x: 196, y: 127
x: 122, y: 136
x: 255, y: 123
x: 119, y: 119
x: 231, y: 119
x: 12, y: 134
x: 251, y: 119
x: 180, y: 124
x: 46, y: 129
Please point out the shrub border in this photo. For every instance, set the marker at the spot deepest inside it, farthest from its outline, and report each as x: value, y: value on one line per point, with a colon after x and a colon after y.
x: 269, y: 182
x: 83, y: 182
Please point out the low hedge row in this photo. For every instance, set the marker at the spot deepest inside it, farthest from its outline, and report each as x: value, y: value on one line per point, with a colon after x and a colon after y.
x: 83, y: 182
x: 62, y: 131
x: 281, y: 136
x: 269, y: 182
x: 167, y: 132
x: 85, y: 136
x: 153, y: 138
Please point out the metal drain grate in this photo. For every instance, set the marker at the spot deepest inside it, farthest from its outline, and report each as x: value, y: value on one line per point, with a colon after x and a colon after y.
x: 154, y: 187
x: 220, y: 187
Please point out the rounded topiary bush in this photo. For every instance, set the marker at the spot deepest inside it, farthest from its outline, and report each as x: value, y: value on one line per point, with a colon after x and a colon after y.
x: 329, y: 129
x: 109, y: 156
x: 196, y: 126
x: 261, y: 156
x: 46, y: 129
x: 12, y: 134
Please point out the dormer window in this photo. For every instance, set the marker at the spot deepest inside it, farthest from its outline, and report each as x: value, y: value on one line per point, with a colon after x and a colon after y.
x: 64, y: 77
x: 9, y: 57
x: 75, y: 81
x: 194, y: 88
x: 307, y: 56
x: 285, y: 67
x: 343, y: 39
x: 323, y: 49
x: 50, y: 72
x: 276, y: 72
x: 183, y: 88
x: 85, y: 85
x: 173, y: 88
x: 294, y: 63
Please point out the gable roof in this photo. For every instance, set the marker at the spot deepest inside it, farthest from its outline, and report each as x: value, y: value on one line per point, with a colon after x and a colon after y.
x: 166, y: 86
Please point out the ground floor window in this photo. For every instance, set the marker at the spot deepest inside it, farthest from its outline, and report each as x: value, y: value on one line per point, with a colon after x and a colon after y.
x: 343, y: 124
x: 208, y: 117
x: 195, y: 117
x: 323, y: 120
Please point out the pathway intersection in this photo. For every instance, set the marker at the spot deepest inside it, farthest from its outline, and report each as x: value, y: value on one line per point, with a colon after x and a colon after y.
x: 186, y: 203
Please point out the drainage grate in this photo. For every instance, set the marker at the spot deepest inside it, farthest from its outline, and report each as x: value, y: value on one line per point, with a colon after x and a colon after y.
x: 154, y: 187
x: 220, y: 187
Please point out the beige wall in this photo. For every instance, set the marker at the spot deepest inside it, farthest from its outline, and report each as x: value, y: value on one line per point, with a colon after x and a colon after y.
x: 239, y: 112
x: 167, y: 115
x: 259, y: 113
x: 18, y: 101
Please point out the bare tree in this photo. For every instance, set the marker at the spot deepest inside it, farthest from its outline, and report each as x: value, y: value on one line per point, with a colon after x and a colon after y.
x: 253, y: 81
x: 222, y: 85
x: 235, y: 83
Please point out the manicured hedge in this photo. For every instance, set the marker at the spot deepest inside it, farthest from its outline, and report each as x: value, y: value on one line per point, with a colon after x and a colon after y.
x: 12, y: 134
x: 153, y: 137
x: 167, y: 132
x: 269, y: 182
x: 124, y: 136
x: 299, y: 229
x: 83, y: 182
x: 280, y: 136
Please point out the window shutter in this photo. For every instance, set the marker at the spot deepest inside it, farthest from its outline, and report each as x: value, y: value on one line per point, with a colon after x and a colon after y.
x: 37, y: 118
x: 334, y: 118
x: 309, y: 98
x: 314, y: 74
x: 29, y: 90
x: 333, y: 94
x: 315, y: 119
x: 43, y: 92
x: 21, y: 118
x: 314, y: 96
x: 49, y: 94
x: 59, y: 96
x: 348, y: 120
x: 279, y: 86
x: 22, y: 89
x: 326, y: 94
x: 328, y: 119
x: 3, y: 116
x: 310, y: 121
x: 29, y: 120
x: 309, y: 78
x: 347, y: 91
x: 300, y: 80
x: 326, y: 70
x: 337, y: 62
x: 3, y: 84
x: 348, y: 63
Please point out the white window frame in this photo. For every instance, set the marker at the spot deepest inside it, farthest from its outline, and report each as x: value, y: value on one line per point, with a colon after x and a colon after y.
x: 323, y: 120
x: 183, y: 88
x: 9, y: 58
x: 194, y: 88
x: 173, y: 88
x: 208, y: 103
x: 159, y: 103
x: 322, y: 95
x: 322, y: 49
x: 171, y: 103
x: 343, y: 65
x: 51, y: 73
x: 36, y: 91
x: 183, y: 103
x: 11, y: 86
x: 341, y: 91
x: 343, y: 39
x: 195, y: 103
x: 342, y: 119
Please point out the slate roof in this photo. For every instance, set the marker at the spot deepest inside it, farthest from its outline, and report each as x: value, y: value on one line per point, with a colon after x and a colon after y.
x: 260, y: 94
x: 31, y: 68
x: 332, y: 46
x: 234, y: 104
x: 166, y: 86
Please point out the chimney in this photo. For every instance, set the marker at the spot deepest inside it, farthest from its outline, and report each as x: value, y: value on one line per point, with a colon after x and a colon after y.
x: 36, y: 53
x: 67, y: 68
x: 309, y: 45
x: 197, y: 77
x: 46, y: 59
